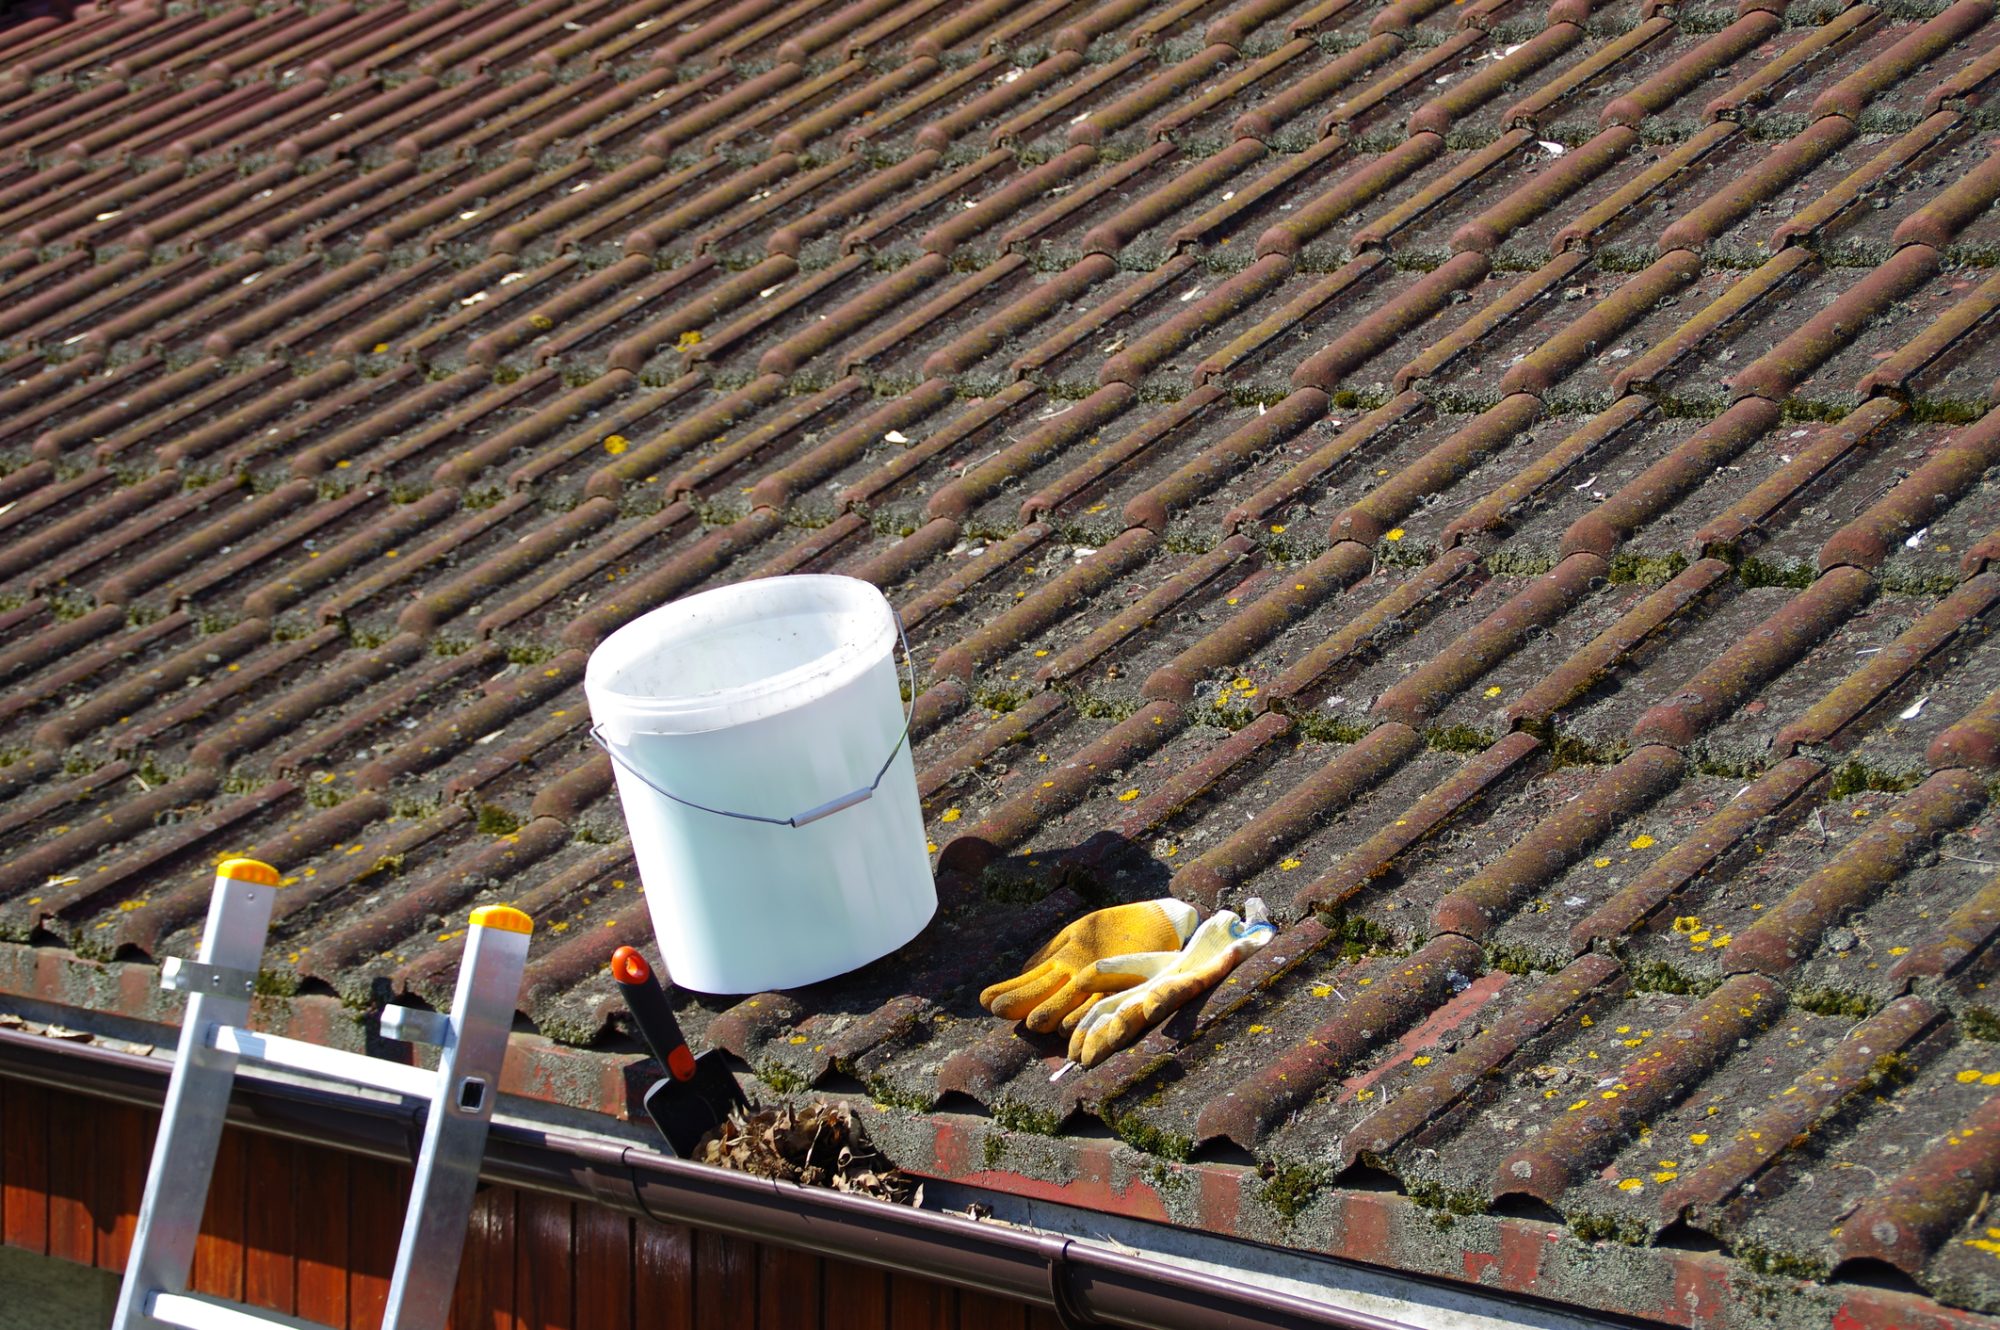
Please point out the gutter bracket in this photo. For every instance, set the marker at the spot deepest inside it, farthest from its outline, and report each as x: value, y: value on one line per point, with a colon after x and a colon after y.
x: 1068, y: 1314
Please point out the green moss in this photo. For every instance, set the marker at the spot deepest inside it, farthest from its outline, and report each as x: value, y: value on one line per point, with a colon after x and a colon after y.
x: 497, y: 821
x: 529, y: 653
x: 1856, y: 776
x: 1100, y: 708
x: 1404, y: 553
x: 64, y: 606
x: 1348, y: 399
x: 277, y: 983
x: 1568, y: 750
x: 1609, y: 1228
x: 1153, y: 1140
x: 1947, y: 410
x: 1515, y: 959
x: 1770, y: 1261
x: 1001, y: 701
x: 782, y: 1078
x: 1656, y: 976
x: 1834, y: 1002
x: 1794, y: 573
x: 1981, y: 1024
x: 1813, y: 411
x: 1015, y: 1116
x: 1327, y: 729
x: 1457, y: 739
x: 1451, y: 1200
x: 888, y: 1095
x: 993, y: 1150
x: 1909, y: 580
x: 1647, y: 569
x: 1357, y: 936
x: 1520, y: 563
x: 1711, y: 763
x: 1289, y: 1189
x: 446, y: 645
x: 1891, y: 1069
x: 1012, y: 886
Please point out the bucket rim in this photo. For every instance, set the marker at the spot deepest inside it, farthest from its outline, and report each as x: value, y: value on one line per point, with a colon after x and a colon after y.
x: 751, y: 699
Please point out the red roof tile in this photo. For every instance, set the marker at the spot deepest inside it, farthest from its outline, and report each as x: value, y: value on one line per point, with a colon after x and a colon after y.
x: 1503, y: 484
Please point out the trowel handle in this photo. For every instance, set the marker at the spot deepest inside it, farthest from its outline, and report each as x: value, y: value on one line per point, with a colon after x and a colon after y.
x: 651, y: 1011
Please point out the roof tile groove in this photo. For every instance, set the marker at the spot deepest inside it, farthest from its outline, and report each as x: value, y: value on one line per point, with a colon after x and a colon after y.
x: 1503, y: 483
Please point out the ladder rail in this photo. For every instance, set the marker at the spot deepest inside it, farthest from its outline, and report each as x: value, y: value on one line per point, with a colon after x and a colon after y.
x: 467, y: 1083
x: 197, y: 1102
x: 215, y: 1038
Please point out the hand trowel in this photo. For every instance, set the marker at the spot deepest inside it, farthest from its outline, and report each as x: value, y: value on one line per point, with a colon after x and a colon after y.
x: 696, y: 1094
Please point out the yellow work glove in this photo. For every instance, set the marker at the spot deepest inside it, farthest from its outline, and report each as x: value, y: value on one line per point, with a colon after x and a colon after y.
x: 1046, y: 991
x: 1139, y: 990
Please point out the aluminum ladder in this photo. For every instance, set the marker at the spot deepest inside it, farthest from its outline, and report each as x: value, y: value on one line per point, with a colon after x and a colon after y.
x: 215, y: 1037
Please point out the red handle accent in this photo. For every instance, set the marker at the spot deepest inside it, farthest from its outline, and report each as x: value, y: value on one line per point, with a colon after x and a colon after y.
x: 629, y: 967
x: 681, y: 1063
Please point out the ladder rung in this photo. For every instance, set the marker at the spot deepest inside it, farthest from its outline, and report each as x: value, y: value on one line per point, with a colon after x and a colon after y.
x: 278, y: 1051
x: 193, y: 1313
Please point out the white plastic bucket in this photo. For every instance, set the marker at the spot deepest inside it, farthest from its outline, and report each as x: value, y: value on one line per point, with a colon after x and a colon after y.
x: 770, y: 699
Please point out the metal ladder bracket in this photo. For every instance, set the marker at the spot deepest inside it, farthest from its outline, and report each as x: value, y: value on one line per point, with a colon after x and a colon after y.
x: 411, y: 1025
x: 216, y: 1037
x: 179, y: 975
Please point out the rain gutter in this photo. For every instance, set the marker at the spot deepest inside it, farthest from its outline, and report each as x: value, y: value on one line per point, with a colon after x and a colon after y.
x: 1084, y: 1284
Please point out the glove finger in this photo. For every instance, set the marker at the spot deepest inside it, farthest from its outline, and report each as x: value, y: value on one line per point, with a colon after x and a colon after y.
x: 1016, y: 997
x: 1048, y: 950
x: 1167, y: 996
x: 1137, y: 1013
x: 1106, y: 1037
x: 1057, y: 1005
x: 1082, y: 1010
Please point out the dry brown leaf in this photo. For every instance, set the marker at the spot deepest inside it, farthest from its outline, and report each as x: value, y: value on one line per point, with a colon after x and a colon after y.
x: 820, y: 1145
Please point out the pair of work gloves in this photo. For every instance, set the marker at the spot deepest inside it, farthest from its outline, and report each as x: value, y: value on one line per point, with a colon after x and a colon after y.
x: 1107, y: 977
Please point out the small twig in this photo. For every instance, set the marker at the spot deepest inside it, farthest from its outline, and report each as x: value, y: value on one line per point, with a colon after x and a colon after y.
x: 1959, y: 858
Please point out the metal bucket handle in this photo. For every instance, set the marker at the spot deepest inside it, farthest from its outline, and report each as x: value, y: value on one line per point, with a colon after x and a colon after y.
x: 814, y: 814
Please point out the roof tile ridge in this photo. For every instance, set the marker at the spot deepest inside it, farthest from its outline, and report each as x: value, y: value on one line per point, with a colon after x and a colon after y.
x: 1370, y: 518
x: 1477, y: 907
x: 1719, y: 50
x: 1290, y: 599
x: 1448, y: 1083
x: 1348, y: 775
x: 1766, y: 651
x: 1536, y: 607
x: 1747, y: 521
x: 1918, y: 498
x: 1784, y: 934
x: 1792, y: 783
x: 1536, y: 709
x: 1927, y: 42
x: 1590, y: 1131
x: 1407, y: 991
x: 1064, y: 785
x: 1453, y: 575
